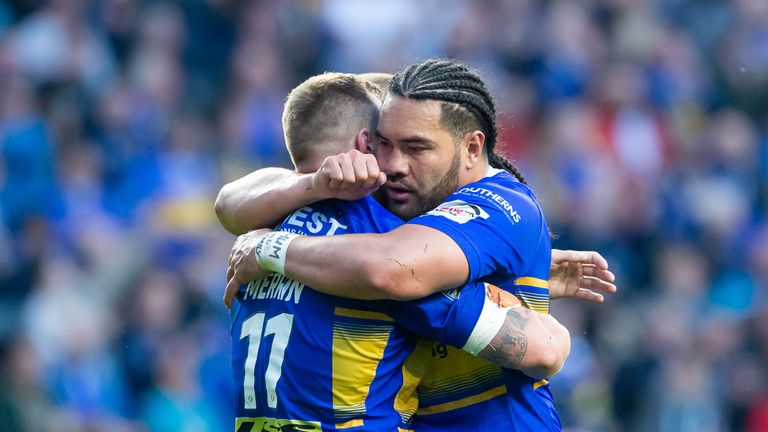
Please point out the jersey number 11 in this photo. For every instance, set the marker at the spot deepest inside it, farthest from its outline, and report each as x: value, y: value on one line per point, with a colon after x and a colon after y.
x: 253, y: 328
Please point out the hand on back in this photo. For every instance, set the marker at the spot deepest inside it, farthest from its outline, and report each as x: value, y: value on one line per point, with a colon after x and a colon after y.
x: 580, y: 274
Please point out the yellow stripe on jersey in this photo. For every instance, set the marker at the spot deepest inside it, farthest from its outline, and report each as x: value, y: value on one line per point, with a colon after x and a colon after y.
x: 536, y: 306
x: 457, y: 383
x: 532, y: 281
x: 363, y: 314
x: 538, y: 384
x: 534, y: 301
x: 534, y: 296
x: 350, y: 424
x: 360, y: 337
x: 461, y: 403
x: 457, y: 380
x: 356, y: 352
x: 414, y: 368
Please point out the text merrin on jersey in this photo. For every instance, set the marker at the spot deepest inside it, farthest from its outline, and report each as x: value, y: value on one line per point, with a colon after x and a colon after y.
x: 274, y: 287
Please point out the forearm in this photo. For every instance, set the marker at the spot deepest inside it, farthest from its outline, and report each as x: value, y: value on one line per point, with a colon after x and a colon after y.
x: 549, y: 346
x: 373, y: 266
x: 531, y: 342
x: 553, y: 343
x: 261, y: 199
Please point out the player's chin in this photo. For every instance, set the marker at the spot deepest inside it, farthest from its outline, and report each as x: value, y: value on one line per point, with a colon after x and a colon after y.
x: 404, y: 210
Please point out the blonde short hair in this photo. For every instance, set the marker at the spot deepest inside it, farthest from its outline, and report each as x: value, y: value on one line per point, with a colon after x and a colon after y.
x: 327, y: 110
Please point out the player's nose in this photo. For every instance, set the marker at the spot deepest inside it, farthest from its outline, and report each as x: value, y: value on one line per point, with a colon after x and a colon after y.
x: 394, y: 164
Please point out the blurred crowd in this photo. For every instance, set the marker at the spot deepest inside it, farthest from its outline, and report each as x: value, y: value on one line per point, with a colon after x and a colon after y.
x: 641, y: 124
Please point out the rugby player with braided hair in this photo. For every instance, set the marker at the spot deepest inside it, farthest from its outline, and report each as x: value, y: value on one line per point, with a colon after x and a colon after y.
x: 437, y: 135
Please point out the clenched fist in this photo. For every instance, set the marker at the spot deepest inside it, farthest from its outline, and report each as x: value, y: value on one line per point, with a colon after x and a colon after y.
x: 348, y: 176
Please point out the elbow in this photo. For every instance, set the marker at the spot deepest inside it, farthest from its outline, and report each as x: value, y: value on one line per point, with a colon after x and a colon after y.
x: 224, y: 212
x: 549, y: 358
x: 541, y: 365
x: 219, y: 206
x: 562, y: 349
x: 550, y: 363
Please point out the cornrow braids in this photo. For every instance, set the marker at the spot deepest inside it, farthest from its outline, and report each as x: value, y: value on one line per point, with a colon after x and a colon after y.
x: 500, y: 162
x: 467, y: 103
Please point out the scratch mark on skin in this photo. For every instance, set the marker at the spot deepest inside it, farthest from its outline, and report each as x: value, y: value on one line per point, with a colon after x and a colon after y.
x: 398, y: 263
x: 425, y: 247
x: 413, y: 275
x: 413, y: 272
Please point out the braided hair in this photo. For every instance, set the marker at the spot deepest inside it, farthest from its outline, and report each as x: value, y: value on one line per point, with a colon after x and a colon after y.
x: 467, y: 104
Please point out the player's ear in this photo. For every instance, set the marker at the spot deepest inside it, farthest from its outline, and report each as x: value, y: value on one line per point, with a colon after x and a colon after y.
x: 472, y: 147
x: 362, y: 141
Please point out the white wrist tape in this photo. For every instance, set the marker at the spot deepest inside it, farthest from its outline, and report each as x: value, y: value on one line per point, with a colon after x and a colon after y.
x: 272, y: 250
x: 488, y: 325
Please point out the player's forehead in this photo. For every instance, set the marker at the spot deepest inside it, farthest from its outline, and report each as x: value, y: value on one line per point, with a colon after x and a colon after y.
x: 403, y: 117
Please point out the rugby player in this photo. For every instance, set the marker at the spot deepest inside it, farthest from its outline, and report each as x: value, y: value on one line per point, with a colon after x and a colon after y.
x: 357, y: 353
x: 468, y: 165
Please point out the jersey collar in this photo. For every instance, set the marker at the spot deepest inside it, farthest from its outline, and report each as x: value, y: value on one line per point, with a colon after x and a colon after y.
x: 492, y: 171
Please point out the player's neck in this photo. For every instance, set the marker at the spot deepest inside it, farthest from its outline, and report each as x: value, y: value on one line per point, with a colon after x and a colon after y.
x: 477, y: 172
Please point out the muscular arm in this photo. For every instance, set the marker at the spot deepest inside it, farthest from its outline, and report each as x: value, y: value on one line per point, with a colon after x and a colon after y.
x: 514, y: 337
x: 410, y: 262
x: 407, y: 263
x: 262, y: 198
x: 532, y: 342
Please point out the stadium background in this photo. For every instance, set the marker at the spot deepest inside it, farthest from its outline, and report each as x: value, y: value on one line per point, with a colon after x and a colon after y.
x: 642, y: 125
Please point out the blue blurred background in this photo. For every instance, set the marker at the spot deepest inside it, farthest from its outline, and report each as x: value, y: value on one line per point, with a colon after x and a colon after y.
x: 641, y: 124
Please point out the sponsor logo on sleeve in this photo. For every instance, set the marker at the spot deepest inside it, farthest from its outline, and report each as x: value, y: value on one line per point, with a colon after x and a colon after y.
x: 459, y: 211
x: 495, y: 199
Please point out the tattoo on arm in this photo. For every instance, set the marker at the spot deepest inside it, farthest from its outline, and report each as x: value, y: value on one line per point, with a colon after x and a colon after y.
x: 508, y: 347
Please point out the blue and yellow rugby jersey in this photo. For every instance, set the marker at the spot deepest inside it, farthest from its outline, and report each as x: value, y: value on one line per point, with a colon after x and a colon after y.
x: 501, y: 229
x: 303, y: 360
x: 461, y: 392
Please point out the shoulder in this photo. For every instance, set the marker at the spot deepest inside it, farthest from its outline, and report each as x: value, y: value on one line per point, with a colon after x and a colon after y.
x: 365, y: 215
x: 369, y: 210
x: 502, y: 193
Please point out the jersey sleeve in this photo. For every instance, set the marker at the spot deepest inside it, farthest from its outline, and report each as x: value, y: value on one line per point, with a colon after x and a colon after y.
x: 449, y: 317
x: 496, y: 228
x: 464, y: 317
